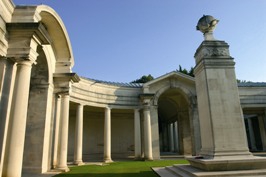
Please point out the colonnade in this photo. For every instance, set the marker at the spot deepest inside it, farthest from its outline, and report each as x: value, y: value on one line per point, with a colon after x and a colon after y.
x: 253, y: 142
x: 171, y: 137
x: 61, y: 134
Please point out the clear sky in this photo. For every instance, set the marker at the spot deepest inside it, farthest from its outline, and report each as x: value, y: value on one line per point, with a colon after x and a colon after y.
x: 121, y: 40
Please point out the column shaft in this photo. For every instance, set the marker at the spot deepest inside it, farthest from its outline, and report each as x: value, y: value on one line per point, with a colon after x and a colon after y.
x: 171, y: 137
x: 147, y: 135
x: 6, y: 88
x: 251, y: 135
x: 262, y: 132
x: 137, y: 134
x: 63, y: 140
x: 16, y: 134
x: 176, y: 137
x: 57, y: 127
x: 78, y: 136
x: 107, y: 135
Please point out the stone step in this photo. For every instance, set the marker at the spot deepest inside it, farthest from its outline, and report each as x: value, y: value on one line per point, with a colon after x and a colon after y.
x: 163, y: 172
x: 189, y: 171
x: 237, y: 173
x: 179, y: 172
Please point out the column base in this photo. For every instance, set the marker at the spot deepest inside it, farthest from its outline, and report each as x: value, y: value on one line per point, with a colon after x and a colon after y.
x: 148, y: 159
x: 108, y: 160
x: 78, y: 162
x: 63, y: 169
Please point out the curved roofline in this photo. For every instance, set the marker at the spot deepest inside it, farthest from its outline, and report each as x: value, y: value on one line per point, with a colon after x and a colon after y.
x: 119, y: 84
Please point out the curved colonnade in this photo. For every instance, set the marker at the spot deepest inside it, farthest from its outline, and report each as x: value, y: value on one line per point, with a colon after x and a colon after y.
x: 50, y: 116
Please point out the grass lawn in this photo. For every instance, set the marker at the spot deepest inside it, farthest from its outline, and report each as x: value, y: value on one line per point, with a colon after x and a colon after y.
x: 120, y: 169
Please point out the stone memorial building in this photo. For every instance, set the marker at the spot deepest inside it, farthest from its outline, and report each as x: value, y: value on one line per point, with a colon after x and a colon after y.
x: 50, y: 116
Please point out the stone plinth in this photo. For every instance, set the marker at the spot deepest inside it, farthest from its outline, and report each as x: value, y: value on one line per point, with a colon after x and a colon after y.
x: 221, y: 121
x: 223, y: 137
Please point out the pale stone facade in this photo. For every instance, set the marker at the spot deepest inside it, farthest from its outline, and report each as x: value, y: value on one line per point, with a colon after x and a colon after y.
x: 49, y: 116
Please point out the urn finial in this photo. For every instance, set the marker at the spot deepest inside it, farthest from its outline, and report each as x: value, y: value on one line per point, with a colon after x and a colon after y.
x: 206, y: 25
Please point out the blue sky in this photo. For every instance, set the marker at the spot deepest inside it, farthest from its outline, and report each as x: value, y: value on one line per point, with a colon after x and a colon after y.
x: 121, y: 40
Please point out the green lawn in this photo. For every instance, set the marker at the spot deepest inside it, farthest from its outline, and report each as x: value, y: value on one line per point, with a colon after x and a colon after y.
x: 120, y: 169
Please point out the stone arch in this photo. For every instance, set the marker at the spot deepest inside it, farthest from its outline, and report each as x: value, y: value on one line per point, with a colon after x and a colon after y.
x: 53, y: 55
x: 60, y: 40
x: 181, y: 125
x: 185, y: 92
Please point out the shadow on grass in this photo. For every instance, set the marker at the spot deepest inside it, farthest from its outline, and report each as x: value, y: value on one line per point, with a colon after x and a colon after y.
x: 140, y: 174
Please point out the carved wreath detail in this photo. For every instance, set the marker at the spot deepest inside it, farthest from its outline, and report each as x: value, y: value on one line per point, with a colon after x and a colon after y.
x: 208, y: 52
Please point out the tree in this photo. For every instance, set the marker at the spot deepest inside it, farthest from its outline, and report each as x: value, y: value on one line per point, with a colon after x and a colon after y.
x: 143, y: 79
x: 185, y: 71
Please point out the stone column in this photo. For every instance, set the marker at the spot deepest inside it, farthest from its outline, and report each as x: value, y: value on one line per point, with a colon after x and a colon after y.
x: 57, y: 128
x: 264, y: 118
x: 176, y: 137
x: 16, y: 134
x: 171, y: 133
x: 251, y: 135
x: 262, y: 132
x: 78, y: 136
x: 137, y: 134
x: 63, y: 137
x: 6, y: 89
x: 107, y: 135
x: 147, y: 134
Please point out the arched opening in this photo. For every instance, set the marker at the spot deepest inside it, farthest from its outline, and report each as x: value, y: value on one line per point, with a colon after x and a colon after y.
x: 38, y: 127
x: 174, y: 123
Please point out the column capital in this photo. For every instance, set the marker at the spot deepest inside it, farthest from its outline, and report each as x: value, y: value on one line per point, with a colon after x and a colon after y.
x: 64, y: 81
x: 24, y: 40
x: 29, y: 30
x: 146, y: 100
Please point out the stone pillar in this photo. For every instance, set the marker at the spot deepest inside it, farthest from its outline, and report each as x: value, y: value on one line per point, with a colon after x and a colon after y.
x: 264, y: 119
x: 171, y: 133
x: 57, y: 128
x: 176, y: 145
x: 63, y: 135
x: 223, y: 136
x: 147, y: 134
x: 221, y: 122
x: 251, y: 135
x: 78, y: 136
x: 165, y: 137
x: 6, y: 88
x: 155, y: 132
x: 137, y: 134
x: 16, y: 134
x: 107, y: 135
x: 262, y: 132
x: 195, y: 128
